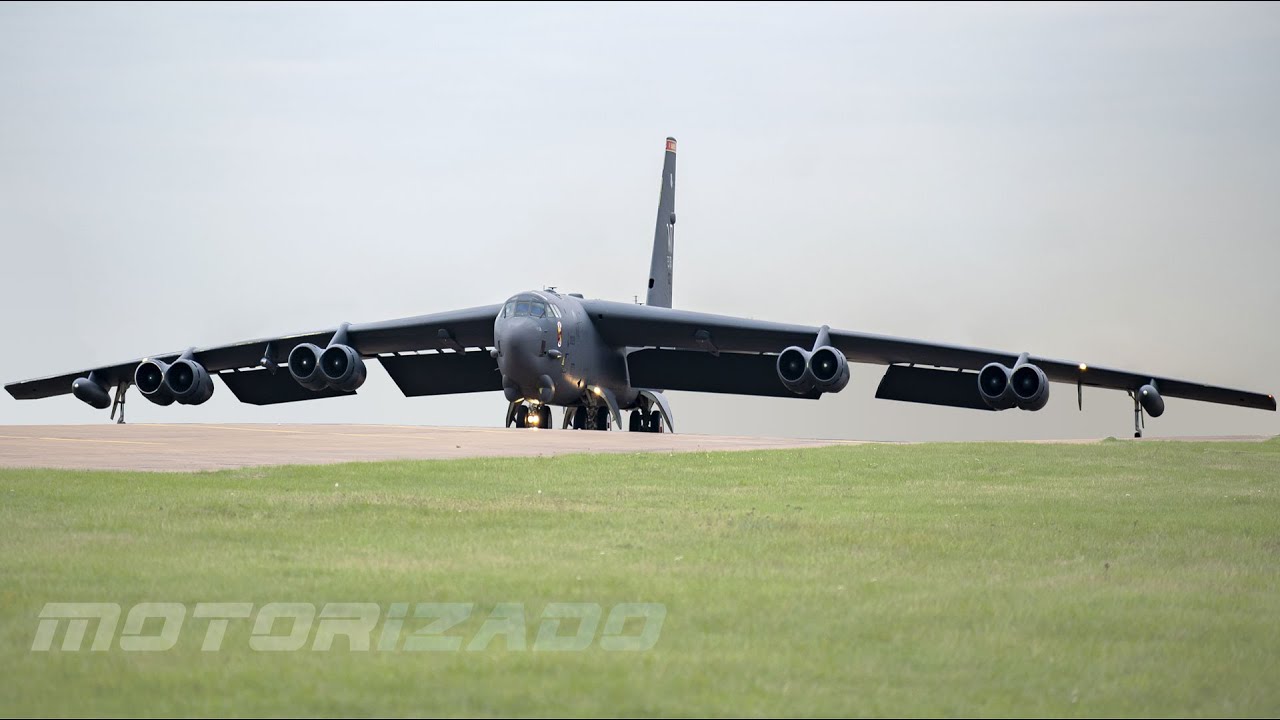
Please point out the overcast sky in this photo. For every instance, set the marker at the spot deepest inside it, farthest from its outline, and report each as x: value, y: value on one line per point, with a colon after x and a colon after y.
x: 1091, y: 182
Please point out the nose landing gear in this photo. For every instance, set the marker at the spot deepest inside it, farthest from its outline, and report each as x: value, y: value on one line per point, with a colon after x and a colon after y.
x: 525, y: 416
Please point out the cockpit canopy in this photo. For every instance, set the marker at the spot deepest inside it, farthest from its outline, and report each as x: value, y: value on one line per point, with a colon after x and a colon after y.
x: 529, y: 305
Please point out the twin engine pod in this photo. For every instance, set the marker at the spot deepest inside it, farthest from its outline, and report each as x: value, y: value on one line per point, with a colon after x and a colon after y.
x: 338, y: 366
x: 824, y: 368
x: 1024, y: 386
x: 185, y: 381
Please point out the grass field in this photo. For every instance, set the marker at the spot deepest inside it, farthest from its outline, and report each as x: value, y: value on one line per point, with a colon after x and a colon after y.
x: 1118, y: 578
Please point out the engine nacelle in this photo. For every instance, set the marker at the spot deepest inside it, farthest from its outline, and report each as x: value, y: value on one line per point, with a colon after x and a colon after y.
x: 995, y: 388
x: 188, y: 382
x: 1151, y: 400
x: 824, y: 369
x: 793, y: 370
x: 88, y: 390
x: 341, y: 367
x: 1030, y: 386
x: 1023, y: 386
x: 829, y: 369
x: 148, y: 377
x: 304, y: 366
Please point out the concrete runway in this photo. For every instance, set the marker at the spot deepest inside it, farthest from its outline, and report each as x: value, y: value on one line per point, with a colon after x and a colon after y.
x: 178, y: 447
x: 185, y: 448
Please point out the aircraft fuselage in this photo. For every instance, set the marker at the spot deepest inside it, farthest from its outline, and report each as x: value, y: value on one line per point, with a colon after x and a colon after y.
x: 550, y: 353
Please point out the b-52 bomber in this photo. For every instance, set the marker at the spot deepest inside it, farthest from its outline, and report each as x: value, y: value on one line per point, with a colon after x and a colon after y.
x: 598, y: 359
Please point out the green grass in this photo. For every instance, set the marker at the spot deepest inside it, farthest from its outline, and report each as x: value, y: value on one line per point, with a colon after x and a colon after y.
x: 963, y: 579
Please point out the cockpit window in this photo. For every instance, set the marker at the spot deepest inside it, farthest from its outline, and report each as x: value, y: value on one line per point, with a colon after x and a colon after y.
x: 528, y: 305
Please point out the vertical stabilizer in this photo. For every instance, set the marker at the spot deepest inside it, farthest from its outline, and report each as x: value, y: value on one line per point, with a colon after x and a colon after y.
x: 664, y: 235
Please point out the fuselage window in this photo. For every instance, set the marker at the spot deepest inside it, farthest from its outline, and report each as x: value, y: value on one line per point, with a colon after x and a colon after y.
x: 538, y: 309
x: 509, y: 309
x: 555, y: 311
x: 522, y: 308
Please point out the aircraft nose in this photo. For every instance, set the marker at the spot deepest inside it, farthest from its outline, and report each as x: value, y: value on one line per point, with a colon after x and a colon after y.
x: 522, y: 347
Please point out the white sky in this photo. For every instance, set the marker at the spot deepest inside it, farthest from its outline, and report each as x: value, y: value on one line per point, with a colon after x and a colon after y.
x: 1089, y: 182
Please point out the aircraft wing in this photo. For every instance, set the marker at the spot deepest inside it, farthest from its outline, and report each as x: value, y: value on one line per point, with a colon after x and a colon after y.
x: 406, y: 346
x: 642, y: 326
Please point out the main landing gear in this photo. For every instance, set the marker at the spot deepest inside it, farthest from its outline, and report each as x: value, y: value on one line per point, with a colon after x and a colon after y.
x: 646, y: 421
x: 582, y: 417
x: 529, y: 416
x: 588, y: 417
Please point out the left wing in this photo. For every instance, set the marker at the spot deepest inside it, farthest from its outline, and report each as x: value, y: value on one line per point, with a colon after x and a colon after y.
x: 249, y: 368
x: 642, y: 326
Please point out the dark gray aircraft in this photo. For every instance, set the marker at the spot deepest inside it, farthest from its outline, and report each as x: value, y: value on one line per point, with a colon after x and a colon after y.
x: 597, y: 358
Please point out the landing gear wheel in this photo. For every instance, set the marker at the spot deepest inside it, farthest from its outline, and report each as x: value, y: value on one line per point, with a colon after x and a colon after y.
x: 544, y: 417
x: 580, y: 418
x: 602, y: 419
x: 654, y: 423
x: 637, y: 421
x: 522, y: 416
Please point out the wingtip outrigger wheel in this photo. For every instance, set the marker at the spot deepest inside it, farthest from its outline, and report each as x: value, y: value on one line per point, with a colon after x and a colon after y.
x: 1139, y: 422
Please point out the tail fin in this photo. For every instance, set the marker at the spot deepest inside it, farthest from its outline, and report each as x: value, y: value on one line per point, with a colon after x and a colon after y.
x: 664, y: 236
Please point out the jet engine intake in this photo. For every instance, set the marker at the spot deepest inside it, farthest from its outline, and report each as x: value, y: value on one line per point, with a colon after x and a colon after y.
x: 188, y: 382
x: 995, y: 388
x: 304, y: 366
x: 824, y: 369
x: 1023, y: 386
x: 829, y: 369
x: 793, y: 366
x: 341, y: 367
x: 1031, y: 387
x: 148, y: 377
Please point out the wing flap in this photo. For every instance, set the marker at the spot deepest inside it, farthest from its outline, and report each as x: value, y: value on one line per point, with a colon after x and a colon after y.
x: 690, y: 370
x: 443, y: 373
x: 259, y: 387
x: 953, y: 388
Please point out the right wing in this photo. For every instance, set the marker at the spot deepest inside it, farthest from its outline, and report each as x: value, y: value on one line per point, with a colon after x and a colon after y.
x: 670, y: 331
x: 410, y: 348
